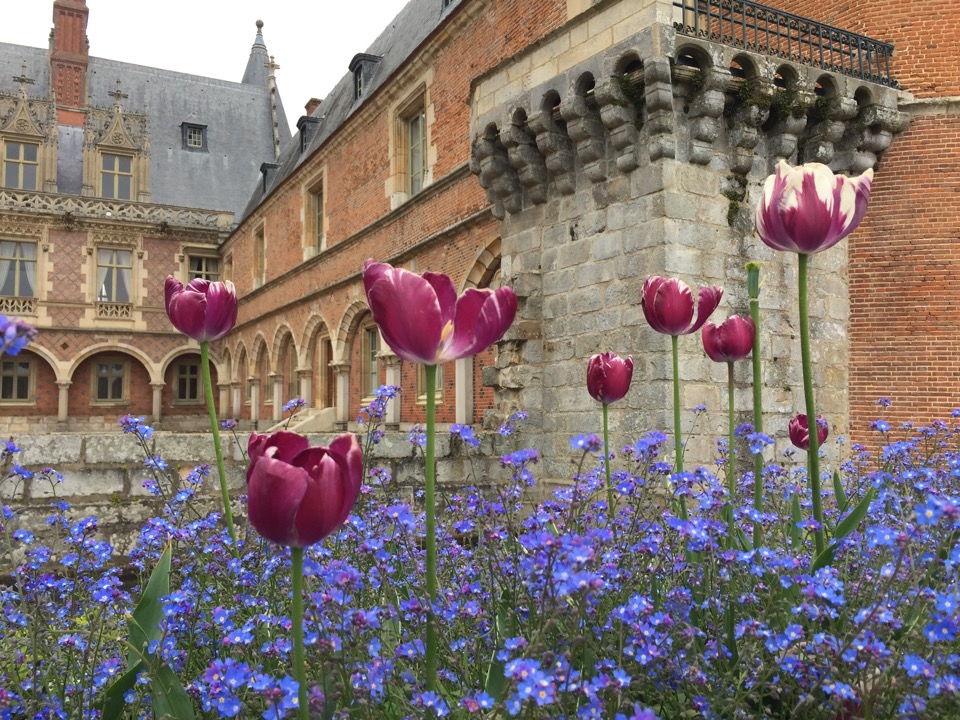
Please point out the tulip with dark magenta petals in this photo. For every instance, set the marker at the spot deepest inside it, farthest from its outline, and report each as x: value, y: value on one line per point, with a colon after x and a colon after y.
x: 669, y: 307
x: 800, y: 432
x: 298, y: 494
x: 730, y: 341
x: 609, y: 377
x: 203, y: 310
x: 422, y: 319
x: 808, y: 209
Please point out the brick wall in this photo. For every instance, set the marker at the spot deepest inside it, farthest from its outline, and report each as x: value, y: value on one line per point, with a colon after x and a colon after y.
x: 139, y: 394
x: 45, y: 393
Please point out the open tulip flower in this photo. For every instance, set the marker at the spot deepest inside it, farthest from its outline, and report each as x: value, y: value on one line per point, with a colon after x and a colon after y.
x: 800, y: 431
x: 203, y: 310
x: 808, y: 209
x: 609, y: 377
x: 297, y: 494
x: 730, y: 341
x: 669, y: 307
x: 422, y: 319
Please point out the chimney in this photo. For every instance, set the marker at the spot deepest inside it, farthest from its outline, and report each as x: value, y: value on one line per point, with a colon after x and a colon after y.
x: 312, y: 104
x: 69, y: 54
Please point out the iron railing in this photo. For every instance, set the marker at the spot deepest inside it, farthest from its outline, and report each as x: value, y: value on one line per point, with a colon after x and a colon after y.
x: 763, y: 30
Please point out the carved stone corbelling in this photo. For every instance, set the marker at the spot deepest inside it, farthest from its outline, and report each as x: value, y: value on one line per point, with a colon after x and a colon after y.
x: 579, y: 110
x: 620, y: 118
x: 521, y: 145
x: 706, y: 108
x: 557, y: 149
x: 876, y: 126
x: 659, y: 98
x: 496, y: 175
x: 821, y: 138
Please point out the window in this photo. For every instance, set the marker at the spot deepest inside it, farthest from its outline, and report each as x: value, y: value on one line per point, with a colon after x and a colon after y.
x: 293, y: 382
x: 316, y: 211
x: 228, y: 267
x: 204, y: 268
x: 188, y: 383
x: 116, y: 176
x: 194, y: 136
x: 370, y: 361
x: 422, y: 384
x: 358, y: 82
x: 415, y: 132
x: 110, y: 381
x: 259, y: 257
x: 18, y: 268
x: 113, y: 275
x: 20, y: 165
x: 16, y: 380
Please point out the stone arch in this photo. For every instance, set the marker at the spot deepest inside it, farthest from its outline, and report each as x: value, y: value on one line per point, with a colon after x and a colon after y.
x: 54, y: 364
x: 485, y: 266
x: 240, y: 369
x: 826, y: 87
x: 786, y: 77
x: 260, y: 348
x: 181, y: 351
x: 743, y: 66
x: 347, y: 326
x: 280, y: 337
x: 316, y: 323
x: 693, y: 56
x: 151, y: 366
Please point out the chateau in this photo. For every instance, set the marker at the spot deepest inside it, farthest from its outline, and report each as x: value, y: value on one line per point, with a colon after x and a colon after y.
x: 567, y: 148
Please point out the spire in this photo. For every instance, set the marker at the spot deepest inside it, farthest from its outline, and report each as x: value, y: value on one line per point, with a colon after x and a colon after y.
x: 256, y: 72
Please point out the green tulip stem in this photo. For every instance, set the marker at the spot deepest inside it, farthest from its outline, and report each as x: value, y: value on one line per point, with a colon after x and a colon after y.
x: 430, y: 371
x: 299, y: 666
x: 753, y: 274
x: 731, y: 474
x: 677, y: 437
x: 215, y: 428
x: 813, y: 454
x: 606, y: 462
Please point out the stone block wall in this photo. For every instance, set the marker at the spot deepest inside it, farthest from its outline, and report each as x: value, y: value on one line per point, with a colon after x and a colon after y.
x: 629, y: 150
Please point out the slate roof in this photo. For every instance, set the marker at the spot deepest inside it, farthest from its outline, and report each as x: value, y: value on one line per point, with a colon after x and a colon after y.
x: 394, y: 45
x: 236, y: 114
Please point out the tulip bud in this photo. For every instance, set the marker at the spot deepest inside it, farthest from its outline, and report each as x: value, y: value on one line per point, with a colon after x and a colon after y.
x: 730, y: 341
x: 202, y: 310
x: 669, y: 308
x: 609, y: 377
x: 800, y: 433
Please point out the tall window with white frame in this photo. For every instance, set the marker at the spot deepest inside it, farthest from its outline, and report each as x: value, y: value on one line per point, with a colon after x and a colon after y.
x: 203, y: 267
x: 20, y: 165
x: 110, y: 381
x: 116, y: 176
x: 18, y: 268
x: 370, y: 370
x: 114, y: 268
x: 16, y: 380
x: 415, y: 127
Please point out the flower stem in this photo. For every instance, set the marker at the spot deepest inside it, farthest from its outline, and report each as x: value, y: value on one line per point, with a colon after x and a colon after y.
x: 731, y: 474
x: 677, y: 438
x: 753, y: 288
x: 606, y: 463
x: 430, y: 371
x: 813, y: 454
x: 215, y: 428
x: 299, y: 666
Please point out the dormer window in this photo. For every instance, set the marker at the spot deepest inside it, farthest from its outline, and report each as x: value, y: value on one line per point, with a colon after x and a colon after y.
x: 358, y: 83
x: 364, y: 67
x: 194, y: 137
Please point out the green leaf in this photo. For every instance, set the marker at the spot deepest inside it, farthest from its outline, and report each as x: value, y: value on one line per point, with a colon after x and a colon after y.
x: 838, y: 493
x: 796, y: 517
x: 144, y: 626
x: 113, y: 703
x: 825, y: 558
x: 170, y: 700
x: 495, y: 683
x: 851, y: 521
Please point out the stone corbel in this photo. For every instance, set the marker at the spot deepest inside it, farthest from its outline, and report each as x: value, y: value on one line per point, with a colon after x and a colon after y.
x: 787, y: 130
x: 489, y: 161
x: 586, y: 130
x: 521, y: 145
x: 619, y: 117
x: 658, y: 93
x: 706, y: 109
x: 822, y: 137
x: 878, y: 124
x: 557, y: 150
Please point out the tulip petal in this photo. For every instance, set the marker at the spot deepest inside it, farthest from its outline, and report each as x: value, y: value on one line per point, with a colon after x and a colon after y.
x: 349, y: 456
x: 221, y: 314
x: 275, y: 490
x: 319, y: 512
x: 446, y: 295
x: 483, y: 316
x: 673, y: 305
x: 707, y: 300
x: 647, y: 297
x: 406, y: 308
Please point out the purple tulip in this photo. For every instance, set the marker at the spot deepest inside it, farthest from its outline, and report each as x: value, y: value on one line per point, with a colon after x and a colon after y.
x: 609, y: 377
x: 800, y: 433
x: 202, y: 310
x: 422, y: 319
x: 729, y: 341
x: 297, y: 494
x: 808, y: 209
x: 669, y: 308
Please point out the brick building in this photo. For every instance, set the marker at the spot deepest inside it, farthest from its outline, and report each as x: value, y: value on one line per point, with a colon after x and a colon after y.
x: 569, y: 148
x: 114, y: 176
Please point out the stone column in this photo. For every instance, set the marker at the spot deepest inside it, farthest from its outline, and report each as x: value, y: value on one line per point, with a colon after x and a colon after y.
x: 276, y: 379
x: 63, y: 404
x: 464, y: 391
x: 342, y: 370
x: 224, y: 402
x: 254, y: 400
x: 236, y: 406
x: 304, y: 379
x: 157, y: 400
x: 392, y: 364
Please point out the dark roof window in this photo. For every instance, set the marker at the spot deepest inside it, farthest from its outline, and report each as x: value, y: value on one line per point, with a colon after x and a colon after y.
x: 364, y: 67
x: 194, y: 137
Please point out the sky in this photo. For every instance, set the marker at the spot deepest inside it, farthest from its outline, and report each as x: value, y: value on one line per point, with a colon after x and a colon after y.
x: 313, y: 41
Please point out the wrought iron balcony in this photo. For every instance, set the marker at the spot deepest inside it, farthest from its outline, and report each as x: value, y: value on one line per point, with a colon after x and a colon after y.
x: 763, y: 30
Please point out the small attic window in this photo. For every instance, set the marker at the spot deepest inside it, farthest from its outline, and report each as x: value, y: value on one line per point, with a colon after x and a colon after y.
x: 194, y: 137
x: 363, y: 66
x: 447, y: 3
x: 358, y: 83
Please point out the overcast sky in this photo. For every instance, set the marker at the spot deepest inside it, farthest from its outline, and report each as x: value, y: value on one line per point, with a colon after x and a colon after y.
x: 313, y: 41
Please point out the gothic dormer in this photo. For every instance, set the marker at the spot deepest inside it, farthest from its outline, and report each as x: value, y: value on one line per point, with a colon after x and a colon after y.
x: 27, y: 147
